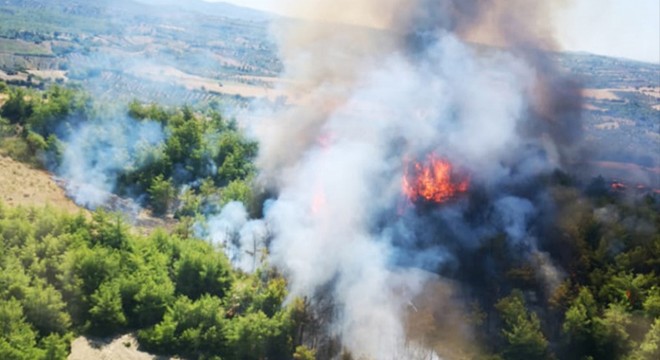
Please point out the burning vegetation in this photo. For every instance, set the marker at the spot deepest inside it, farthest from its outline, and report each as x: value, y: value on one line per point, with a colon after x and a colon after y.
x: 527, y: 266
x: 434, y: 180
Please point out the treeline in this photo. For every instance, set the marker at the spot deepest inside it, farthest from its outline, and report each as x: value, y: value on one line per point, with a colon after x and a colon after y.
x: 203, y: 162
x: 32, y: 122
x: 63, y: 275
x: 201, y: 155
x: 606, y: 246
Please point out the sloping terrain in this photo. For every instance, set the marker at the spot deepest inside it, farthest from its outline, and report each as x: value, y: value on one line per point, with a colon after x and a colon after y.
x: 21, y: 185
x: 120, y: 348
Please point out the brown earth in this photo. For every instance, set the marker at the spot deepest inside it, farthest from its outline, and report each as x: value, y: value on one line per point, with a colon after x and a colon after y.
x: 18, y: 77
x: 194, y: 82
x: 124, y: 347
x: 22, y: 185
x: 610, y: 94
x: 49, y: 74
x: 600, y: 94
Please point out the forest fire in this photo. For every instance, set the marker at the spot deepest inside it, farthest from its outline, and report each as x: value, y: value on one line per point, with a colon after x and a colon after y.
x: 617, y: 185
x: 433, y: 180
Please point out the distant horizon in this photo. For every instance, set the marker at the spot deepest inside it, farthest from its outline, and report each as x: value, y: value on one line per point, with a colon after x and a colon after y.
x: 628, y: 29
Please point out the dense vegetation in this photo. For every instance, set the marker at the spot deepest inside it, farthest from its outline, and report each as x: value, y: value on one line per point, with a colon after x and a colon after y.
x: 62, y: 275
x: 608, y: 306
x: 201, y: 153
x: 202, y: 158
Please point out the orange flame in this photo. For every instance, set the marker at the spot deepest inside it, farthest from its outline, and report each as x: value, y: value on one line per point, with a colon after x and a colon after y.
x: 432, y: 180
x: 318, y: 202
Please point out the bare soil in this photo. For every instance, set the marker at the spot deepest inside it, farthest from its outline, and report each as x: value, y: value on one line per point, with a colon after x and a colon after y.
x: 18, y: 77
x: 609, y: 94
x: 22, y: 185
x: 124, y: 347
x: 49, y: 74
x: 600, y: 94
x: 194, y: 82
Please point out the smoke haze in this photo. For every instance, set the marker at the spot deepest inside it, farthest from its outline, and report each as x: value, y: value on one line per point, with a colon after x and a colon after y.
x: 365, y: 102
x: 98, y: 151
x: 243, y: 240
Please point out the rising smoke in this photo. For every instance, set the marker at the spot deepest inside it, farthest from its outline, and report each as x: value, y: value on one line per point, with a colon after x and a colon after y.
x: 243, y: 240
x: 365, y: 100
x: 98, y: 151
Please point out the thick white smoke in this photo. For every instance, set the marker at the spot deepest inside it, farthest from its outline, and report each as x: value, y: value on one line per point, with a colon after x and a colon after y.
x: 99, y: 150
x: 362, y: 103
x: 243, y: 240
x: 339, y: 174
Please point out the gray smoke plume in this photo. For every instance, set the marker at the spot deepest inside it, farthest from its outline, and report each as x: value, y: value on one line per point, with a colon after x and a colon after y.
x: 363, y: 101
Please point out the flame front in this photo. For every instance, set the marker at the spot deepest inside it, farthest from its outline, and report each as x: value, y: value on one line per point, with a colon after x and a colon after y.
x: 433, y: 180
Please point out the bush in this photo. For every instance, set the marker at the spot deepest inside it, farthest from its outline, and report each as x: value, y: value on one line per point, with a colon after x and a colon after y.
x: 200, y: 270
x: 162, y: 194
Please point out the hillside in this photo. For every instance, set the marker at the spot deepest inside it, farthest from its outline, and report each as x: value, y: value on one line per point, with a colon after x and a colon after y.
x: 22, y: 185
x: 202, y: 52
x: 169, y: 191
x: 222, y: 55
x: 119, y: 348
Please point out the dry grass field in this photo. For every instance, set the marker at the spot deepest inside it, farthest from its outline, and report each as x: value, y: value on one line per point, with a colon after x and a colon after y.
x: 124, y: 347
x: 21, y: 185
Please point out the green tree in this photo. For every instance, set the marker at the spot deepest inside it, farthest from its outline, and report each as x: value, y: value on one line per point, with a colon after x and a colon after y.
x: 106, y: 314
x: 161, y: 193
x: 85, y: 270
x: 17, y: 338
x: 56, y: 347
x: 522, y: 330
x: 613, y: 340
x: 190, y: 328
x: 59, y: 105
x: 649, y: 349
x: 17, y: 108
x: 185, y: 144
x: 146, y: 287
x: 251, y: 336
x: 45, y: 310
x: 235, y: 156
x: 200, y: 270
x: 109, y: 230
x: 238, y: 190
x: 652, y: 303
x: 304, y: 353
x: 579, y: 325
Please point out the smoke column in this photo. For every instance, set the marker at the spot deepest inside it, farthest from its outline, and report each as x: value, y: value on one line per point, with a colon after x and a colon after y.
x: 366, y: 99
